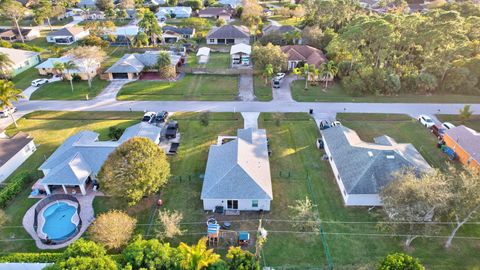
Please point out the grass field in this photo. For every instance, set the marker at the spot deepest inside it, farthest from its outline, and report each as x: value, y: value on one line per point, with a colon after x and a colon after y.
x: 216, y: 60
x: 190, y: 87
x: 49, y: 130
x: 294, y: 21
x: 61, y: 90
x: 262, y: 92
x: 335, y: 93
x: 23, y: 80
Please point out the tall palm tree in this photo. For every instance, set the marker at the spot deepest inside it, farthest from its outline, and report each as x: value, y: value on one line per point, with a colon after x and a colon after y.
x: 197, y: 257
x: 328, y: 70
x: 9, y: 94
x: 304, y: 72
x: 58, y: 67
x: 164, y: 64
x: 267, y: 73
x: 5, y: 65
x: 69, y: 66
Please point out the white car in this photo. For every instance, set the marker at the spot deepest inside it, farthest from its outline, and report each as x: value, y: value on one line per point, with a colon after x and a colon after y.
x: 39, y: 82
x: 336, y: 123
x: 149, y: 117
x: 426, y: 121
x: 448, y: 125
x: 7, y: 112
x: 280, y: 76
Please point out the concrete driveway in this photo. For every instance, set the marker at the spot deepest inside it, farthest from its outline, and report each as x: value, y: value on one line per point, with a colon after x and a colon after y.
x: 284, y: 92
x: 245, y: 88
x: 110, y: 92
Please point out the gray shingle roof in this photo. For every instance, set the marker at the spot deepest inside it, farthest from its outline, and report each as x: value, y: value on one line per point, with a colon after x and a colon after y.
x: 365, y: 168
x: 9, y: 147
x: 178, y: 30
x: 466, y: 138
x: 280, y: 29
x: 239, y: 169
x: 66, y: 31
x: 229, y: 31
x: 136, y: 62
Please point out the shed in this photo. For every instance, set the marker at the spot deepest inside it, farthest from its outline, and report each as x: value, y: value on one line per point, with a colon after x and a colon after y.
x: 240, y: 54
x: 202, y: 55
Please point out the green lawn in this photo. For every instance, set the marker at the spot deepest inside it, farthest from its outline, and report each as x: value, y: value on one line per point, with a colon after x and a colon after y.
x: 286, y: 20
x: 262, y: 92
x: 473, y: 122
x: 50, y: 129
x: 190, y: 87
x: 30, y: 22
x: 216, y: 60
x: 61, y: 90
x: 335, y: 93
x: 22, y: 81
x: 117, y: 22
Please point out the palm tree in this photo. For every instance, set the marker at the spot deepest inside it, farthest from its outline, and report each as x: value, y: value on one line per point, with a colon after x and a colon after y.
x: 197, y: 257
x: 164, y: 64
x: 267, y: 73
x: 9, y: 94
x: 69, y: 66
x: 5, y: 65
x: 328, y: 70
x: 304, y: 72
x: 58, y: 67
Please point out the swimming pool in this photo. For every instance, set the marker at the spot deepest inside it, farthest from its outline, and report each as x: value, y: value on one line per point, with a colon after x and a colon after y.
x: 58, y: 221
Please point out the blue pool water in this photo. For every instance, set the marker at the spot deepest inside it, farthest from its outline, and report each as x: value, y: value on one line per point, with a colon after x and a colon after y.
x: 58, y: 221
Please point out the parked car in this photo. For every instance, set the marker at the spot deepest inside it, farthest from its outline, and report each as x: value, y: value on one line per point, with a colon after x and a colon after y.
x: 276, y: 83
x: 39, y: 82
x: 426, y: 121
x: 172, y: 129
x: 448, y: 125
x: 324, y: 125
x: 7, y: 112
x: 280, y: 76
x: 438, y: 130
x: 148, y: 117
x: 161, y: 117
x: 336, y: 123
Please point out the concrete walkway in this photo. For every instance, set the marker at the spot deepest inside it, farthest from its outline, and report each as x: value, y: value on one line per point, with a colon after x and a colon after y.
x: 284, y: 93
x: 250, y: 119
x: 245, y: 88
x: 110, y: 92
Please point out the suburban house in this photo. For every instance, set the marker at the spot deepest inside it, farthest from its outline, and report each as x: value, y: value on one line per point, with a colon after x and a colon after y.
x: 240, y: 54
x: 67, y: 36
x: 21, y: 59
x: 48, y: 68
x: 216, y: 13
x: 173, y: 12
x: 86, y: 4
x: 172, y: 34
x: 237, y: 176
x: 93, y: 15
x: 282, y: 30
x: 13, y: 152
x: 123, y: 34
x: 229, y: 34
x: 230, y: 3
x: 362, y: 169
x: 303, y: 54
x: 203, y: 54
x: 76, y: 163
x: 130, y: 66
x: 13, y: 35
x: 466, y: 144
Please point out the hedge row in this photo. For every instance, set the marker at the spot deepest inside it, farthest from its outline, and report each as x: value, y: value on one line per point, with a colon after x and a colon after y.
x: 14, y: 187
x: 31, y: 257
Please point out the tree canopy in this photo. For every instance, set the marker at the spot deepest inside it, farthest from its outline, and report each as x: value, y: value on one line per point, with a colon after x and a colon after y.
x: 400, y: 261
x: 269, y: 54
x: 112, y: 229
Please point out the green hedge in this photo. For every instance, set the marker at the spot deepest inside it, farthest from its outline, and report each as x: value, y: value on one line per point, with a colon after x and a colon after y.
x: 14, y: 187
x: 31, y: 257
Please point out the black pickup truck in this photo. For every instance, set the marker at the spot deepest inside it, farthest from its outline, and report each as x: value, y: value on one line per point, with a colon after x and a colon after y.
x: 172, y: 129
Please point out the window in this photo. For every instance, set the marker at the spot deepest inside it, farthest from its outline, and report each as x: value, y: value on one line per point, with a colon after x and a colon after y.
x: 254, y: 203
x: 212, y: 40
x: 232, y: 204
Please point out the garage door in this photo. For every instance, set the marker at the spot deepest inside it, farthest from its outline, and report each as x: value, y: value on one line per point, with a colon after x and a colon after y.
x: 120, y: 75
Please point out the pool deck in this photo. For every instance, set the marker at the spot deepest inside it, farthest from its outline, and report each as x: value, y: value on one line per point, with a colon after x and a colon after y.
x: 87, y: 215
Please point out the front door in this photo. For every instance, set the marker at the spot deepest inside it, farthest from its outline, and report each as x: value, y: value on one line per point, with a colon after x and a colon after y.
x: 232, y: 204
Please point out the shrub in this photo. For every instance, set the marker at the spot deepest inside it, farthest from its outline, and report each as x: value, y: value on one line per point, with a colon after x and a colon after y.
x: 205, y: 118
x: 112, y: 229
x: 115, y: 133
x: 14, y: 187
x: 5, y: 44
x: 400, y: 261
x: 23, y: 46
x: 43, y: 257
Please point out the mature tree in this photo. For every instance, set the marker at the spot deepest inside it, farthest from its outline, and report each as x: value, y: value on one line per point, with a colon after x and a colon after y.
x: 305, y: 215
x: 164, y: 65
x: 304, y: 72
x: 140, y: 165
x: 85, y: 255
x: 400, y: 261
x: 127, y: 4
x: 88, y: 60
x: 68, y: 67
x: 328, y: 71
x: 312, y: 36
x: 197, y: 257
x: 465, y: 113
x: 426, y: 82
x: 151, y: 254
x: 201, y: 25
x: 43, y: 11
x: 9, y: 94
x: 269, y: 54
x: 5, y: 66
x: 464, y: 203
x: 194, y: 4
x: 104, y: 4
x: 252, y: 12
x: 268, y: 73
x: 148, y: 23
x: 412, y: 204
x: 274, y: 37
x: 292, y: 37
x: 141, y: 39
x: 121, y: 13
x: 112, y: 229
x: 238, y: 259
x: 169, y: 224
x: 15, y: 11
x: 220, y: 22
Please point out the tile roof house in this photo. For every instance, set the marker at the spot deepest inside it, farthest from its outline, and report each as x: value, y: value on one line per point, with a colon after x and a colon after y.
x: 12, y: 34
x: 21, y: 60
x: 68, y: 35
x: 303, y: 54
x: 131, y: 65
x: 229, y: 34
x: 48, y: 68
x: 79, y: 159
x: 13, y: 152
x: 172, y: 34
x: 466, y: 144
x: 362, y: 169
x: 237, y: 176
x: 173, y: 12
x: 216, y: 12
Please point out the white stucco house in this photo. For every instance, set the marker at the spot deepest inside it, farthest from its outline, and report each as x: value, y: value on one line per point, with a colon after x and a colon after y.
x: 76, y: 163
x: 173, y: 12
x: 362, y: 169
x: 13, y: 152
x: 237, y: 176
